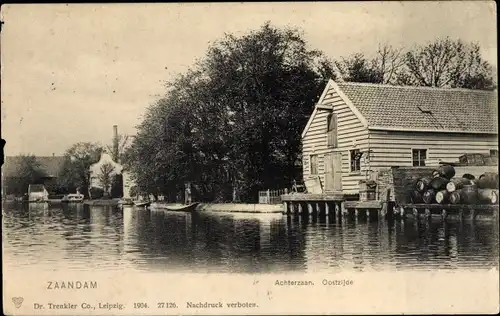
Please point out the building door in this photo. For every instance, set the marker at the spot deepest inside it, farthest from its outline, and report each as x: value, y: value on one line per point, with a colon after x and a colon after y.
x: 333, y: 172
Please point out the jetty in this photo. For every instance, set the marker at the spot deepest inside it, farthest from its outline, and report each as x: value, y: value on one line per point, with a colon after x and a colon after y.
x: 395, y: 197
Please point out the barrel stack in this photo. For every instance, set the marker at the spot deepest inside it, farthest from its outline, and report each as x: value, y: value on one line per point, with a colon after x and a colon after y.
x: 443, y: 187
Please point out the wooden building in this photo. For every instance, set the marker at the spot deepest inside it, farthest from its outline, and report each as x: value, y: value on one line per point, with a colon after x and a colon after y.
x: 357, y: 128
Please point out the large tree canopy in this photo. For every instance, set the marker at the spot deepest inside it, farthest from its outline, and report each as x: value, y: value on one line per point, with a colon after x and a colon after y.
x: 232, y: 123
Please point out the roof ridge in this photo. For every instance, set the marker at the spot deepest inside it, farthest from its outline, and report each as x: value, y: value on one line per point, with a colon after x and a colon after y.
x: 369, y: 84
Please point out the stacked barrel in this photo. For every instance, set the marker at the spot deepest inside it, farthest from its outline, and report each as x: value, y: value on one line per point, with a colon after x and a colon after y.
x: 442, y: 187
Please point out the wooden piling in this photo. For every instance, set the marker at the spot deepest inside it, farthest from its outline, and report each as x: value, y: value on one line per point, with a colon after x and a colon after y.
x: 292, y: 207
x: 300, y: 208
x: 428, y: 214
x: 327, y: 209
x: 285, y: 208
x: 444, y: 214
x: 318, y: 209
x: 309, y: 208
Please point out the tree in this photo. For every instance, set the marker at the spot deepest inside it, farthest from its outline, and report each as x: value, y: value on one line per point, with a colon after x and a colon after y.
x: 117, y: 149
x: 105, y: 177
x: 28, y: 171
x: 234, y: 120
x: 75, y: 172
x: 357, y: 68
x: 448, y: 63
x: 388, y: 63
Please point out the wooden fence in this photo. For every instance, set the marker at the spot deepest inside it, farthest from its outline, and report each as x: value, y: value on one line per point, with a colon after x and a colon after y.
x: 271, y: 196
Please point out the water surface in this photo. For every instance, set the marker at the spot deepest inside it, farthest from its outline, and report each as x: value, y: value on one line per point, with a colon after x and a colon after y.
x: 79, y: 237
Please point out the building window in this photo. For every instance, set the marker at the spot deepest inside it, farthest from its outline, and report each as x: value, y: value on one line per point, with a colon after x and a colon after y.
x: 355, y: 160
x: 331, y: 130
x: 494, y: 153
x: 419, y: 157
x: 314, y: 164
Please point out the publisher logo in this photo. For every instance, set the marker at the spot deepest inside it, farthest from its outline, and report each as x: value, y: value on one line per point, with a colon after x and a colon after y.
x: 18, y: 301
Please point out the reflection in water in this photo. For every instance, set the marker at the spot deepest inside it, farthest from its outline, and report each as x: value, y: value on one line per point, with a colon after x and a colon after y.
x: 79, y: 237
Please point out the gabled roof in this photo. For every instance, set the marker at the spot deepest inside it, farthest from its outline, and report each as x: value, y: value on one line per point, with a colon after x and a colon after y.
x: 424, y: 108
x: 50, y: 164
x: 427, y: 109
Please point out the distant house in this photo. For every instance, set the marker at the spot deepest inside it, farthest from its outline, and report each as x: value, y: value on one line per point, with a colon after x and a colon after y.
x: 96, y: 169
x: 357, y: 128
x: 51, y: 165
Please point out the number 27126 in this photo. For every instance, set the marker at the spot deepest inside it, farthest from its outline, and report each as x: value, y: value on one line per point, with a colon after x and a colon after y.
x: 166, y: 305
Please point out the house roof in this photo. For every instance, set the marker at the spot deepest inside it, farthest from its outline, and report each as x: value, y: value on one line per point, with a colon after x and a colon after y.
x: 424, y: 108
x: 50, y: 164
x: 418, y: 109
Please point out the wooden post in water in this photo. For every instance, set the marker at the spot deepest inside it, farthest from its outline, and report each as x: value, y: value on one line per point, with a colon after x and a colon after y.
x: 327, y: 209
x: 473, y: 215
x: 292, y: 208
x: 309, y: 208
x: 300, y: 208
x: 285, y: 207
x: 428, y: 214
x: 461, y: 214
x: 318, y: 209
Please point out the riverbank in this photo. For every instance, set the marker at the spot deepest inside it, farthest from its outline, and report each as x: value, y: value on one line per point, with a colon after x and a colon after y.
x: 110, y: 202
x: 240, y: 208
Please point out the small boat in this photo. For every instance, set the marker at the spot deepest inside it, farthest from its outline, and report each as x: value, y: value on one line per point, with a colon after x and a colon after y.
x: 73, y: 198
x: 176, y: 207
x: 142, y: 203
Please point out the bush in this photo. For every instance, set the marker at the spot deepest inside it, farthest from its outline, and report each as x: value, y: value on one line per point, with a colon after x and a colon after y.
x: 96, y: 193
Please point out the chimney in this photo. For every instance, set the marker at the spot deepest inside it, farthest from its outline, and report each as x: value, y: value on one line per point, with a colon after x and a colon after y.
x: 115, y: 143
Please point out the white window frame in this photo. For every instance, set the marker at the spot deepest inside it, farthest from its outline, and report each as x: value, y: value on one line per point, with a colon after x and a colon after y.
x: 350, y: 160
x: 426, y: 156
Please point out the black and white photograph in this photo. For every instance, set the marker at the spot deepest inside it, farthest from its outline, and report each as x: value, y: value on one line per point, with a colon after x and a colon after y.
x: 260, y: 140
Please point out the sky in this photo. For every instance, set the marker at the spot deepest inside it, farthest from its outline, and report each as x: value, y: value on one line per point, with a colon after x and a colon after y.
x: 71, y: 72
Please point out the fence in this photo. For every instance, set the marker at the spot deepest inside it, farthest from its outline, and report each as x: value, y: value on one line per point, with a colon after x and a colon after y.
x: 271, y: 196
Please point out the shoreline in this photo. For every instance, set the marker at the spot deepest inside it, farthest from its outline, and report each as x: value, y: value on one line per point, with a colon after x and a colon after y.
x: 240, y: 208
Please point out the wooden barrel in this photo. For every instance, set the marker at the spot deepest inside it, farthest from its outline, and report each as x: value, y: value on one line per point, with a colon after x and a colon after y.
x: 469, y: 176
x: 438, y: 183
x: 416, y: 197
x: 455, y: 197
x: 457, y: 184
x: 446, y: 171
x: 488, y: 180
x: 422, y: 184
x: 429, y: 196
x: 442, y: 197
x: 468, y: 194
x: 487, y: 196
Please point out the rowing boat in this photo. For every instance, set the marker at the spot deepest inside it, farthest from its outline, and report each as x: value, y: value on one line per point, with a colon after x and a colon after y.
x: 142, y: 204
x: 176, y: 207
